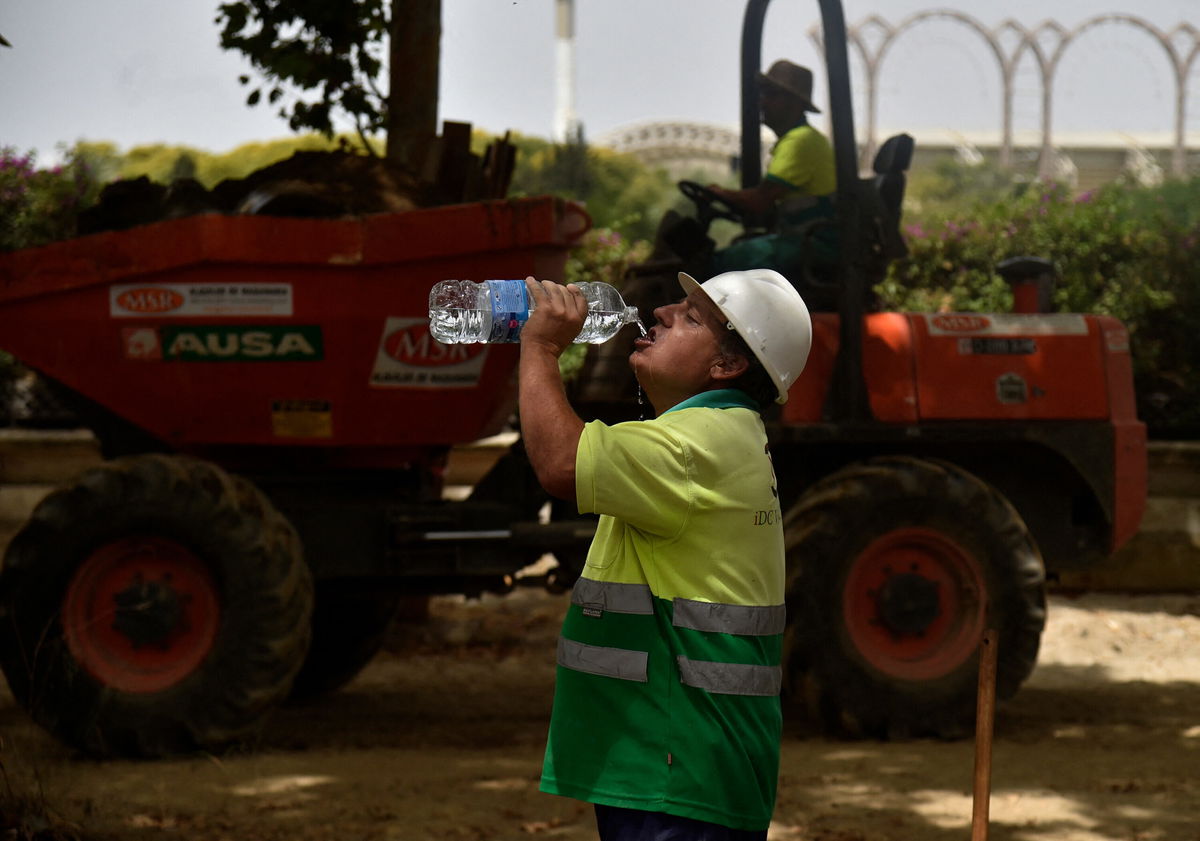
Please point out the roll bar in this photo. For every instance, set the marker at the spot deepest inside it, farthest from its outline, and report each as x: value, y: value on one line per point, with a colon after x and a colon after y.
x: 849, y: 398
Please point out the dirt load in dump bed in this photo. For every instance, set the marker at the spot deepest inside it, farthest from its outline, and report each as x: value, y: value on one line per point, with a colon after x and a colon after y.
x: 308, y: 184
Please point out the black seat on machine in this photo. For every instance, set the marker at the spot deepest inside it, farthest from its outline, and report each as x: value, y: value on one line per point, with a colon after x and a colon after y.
x: 890, y: 166
x: 880, y: 199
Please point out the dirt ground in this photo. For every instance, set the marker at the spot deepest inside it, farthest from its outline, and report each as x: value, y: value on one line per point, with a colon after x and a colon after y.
x: 441, y: 737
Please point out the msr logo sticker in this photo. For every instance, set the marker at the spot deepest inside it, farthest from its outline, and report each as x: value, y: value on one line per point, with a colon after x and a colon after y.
x: 147, y: 300
x: 413, y: 345
x: 956, y: 322
x: 271, y: 343
x: 176, y: 300
x: 1007, y: 324
x: 409, y: 357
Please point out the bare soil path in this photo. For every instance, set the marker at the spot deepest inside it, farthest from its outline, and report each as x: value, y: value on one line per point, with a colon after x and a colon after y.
x: 441, y: 737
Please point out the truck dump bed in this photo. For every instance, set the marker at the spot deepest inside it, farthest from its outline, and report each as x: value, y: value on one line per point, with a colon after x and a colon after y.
x: 215, y: 330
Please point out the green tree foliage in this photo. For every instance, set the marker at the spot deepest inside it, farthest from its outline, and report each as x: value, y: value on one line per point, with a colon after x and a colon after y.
x: 320, y: 59
x: 323, y: 60
x: 620, y: 192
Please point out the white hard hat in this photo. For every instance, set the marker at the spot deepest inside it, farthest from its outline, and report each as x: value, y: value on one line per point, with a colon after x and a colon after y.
x: 768, y: 313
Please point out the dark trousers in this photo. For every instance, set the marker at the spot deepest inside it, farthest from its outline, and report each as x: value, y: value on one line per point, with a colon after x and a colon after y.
x: 617, y: 824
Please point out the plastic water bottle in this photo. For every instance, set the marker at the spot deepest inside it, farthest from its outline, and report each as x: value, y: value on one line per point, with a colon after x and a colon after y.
x: 494, y: 311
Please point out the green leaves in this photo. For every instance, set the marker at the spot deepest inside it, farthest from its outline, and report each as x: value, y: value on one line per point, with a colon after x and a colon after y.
x: 620, y: 192
x: 326, y: 55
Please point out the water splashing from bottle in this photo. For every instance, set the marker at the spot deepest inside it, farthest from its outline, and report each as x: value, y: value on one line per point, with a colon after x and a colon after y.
x: 641, y: 398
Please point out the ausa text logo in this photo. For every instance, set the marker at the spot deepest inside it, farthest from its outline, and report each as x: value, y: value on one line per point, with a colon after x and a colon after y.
x: 271, y: 343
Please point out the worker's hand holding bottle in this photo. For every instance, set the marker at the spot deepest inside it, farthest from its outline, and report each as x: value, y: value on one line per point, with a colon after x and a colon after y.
x: 557, y: 315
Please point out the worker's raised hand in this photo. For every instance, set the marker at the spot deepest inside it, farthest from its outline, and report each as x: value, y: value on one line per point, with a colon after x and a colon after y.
x: 558, y: 315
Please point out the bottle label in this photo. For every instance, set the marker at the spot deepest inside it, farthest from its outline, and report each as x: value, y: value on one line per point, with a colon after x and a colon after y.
x: 510, y: 309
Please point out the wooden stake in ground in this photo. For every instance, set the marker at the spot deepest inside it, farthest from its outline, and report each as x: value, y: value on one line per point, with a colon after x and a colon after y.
x: 985, y: 714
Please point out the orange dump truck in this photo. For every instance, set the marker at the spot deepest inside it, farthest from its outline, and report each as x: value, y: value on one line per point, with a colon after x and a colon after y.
x: 277, y: 421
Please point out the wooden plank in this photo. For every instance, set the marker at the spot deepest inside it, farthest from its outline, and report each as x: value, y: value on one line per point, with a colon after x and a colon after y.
x: 456, y: 161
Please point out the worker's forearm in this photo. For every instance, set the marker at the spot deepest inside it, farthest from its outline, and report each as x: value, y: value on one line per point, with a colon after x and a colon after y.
x: 757, y: 200
x: 549, y: 426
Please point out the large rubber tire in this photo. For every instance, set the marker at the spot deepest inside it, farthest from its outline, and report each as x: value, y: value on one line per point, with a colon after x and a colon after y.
x: 349, y: 629
x: 896, y: 567
x: 157, y: 606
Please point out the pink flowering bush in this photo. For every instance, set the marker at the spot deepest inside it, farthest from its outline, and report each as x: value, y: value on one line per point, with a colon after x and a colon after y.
x: 605, y: 254
x: 38, y: 206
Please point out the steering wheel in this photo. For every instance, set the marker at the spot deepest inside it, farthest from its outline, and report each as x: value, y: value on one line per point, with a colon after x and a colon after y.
x: 709, y: 205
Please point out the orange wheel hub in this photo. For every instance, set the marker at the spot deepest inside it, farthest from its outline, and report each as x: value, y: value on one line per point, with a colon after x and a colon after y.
x: 914, y: 604
x: 141, y: 614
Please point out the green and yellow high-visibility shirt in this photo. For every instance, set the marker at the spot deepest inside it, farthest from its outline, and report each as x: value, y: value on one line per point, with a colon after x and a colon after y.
x: 669, y: 659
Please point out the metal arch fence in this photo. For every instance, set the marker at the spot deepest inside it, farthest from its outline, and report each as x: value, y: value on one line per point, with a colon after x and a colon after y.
x: 691, y: 137
x: 1047, y: 43
x: 1008, y: 42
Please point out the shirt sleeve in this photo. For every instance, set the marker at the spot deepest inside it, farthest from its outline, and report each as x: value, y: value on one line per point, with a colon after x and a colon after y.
x: 638, y: 472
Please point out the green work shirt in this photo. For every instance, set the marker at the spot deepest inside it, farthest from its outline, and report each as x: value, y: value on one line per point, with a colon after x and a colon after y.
x: 668, y: 676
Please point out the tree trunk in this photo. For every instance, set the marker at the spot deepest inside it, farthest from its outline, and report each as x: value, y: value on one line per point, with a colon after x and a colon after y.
x: 415, y: 56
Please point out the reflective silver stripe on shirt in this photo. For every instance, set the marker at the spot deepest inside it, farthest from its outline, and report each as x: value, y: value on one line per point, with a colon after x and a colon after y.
x: 613, y: 597
x: 748, y: 620
x: 599, y: 660
x: 731, y: 678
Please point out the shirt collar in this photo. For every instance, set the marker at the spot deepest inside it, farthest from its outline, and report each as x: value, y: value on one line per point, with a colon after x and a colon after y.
x: 720, y: 398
